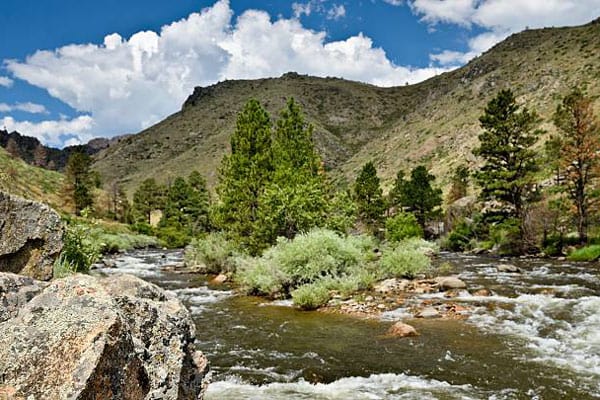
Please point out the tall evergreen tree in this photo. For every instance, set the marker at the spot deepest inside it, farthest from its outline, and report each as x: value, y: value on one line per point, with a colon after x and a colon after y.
x: 418, y: 196
x: 199, y: 203
x: 579, y: 159
x: 369, y: 196
x: 295, y: 200
x: 243, y: 176
x: 507, y: 175
x: 148, y: 197
x: 79, y: 181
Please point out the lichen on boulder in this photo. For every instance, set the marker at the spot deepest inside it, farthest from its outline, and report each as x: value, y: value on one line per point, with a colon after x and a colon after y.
x: 30, y: 237
x: 85, y: 337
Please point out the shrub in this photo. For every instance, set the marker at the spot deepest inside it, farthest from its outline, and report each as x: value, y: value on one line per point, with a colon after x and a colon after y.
x: 308, y: 258
x: 80, y: 249
x: 406, y: 260
x: 173, y: 237
x: 588, y: 253
x: 261, y: 277
x: 312, y: 296
x: 143, y: 227
x: 212, y: 253
x: 507, y: 237
x: 459, y: 239
x: 402, y: 226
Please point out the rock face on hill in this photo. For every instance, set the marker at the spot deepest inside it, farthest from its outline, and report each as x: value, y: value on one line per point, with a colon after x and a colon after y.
x: 30, y: 237
x: 84, y: 337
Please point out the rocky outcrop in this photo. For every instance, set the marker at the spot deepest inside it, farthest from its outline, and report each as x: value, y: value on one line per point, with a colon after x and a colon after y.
x: 85, y: 337
x: 30, y: 237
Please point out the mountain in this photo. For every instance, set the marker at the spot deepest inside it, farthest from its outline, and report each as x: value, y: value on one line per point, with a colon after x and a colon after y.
x: 56, y: 159
x: 434, y: 122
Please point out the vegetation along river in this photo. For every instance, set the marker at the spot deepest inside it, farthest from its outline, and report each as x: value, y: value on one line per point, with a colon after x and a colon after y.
x: 536, y: 337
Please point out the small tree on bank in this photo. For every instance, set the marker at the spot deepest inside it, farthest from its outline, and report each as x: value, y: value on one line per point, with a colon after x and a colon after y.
x: 417, y: 195
x: 369, y: 196
x: 80, y: 181
x: 507, y: 176
x: 578, y: 150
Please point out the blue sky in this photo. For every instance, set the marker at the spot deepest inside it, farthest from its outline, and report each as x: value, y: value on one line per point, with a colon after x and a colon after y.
x: 76, y: 69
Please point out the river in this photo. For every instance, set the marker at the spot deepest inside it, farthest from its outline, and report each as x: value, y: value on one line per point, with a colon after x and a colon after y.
x: 536, y: 337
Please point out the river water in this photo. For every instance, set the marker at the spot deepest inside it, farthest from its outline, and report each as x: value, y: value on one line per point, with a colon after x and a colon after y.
x: 536, y: 337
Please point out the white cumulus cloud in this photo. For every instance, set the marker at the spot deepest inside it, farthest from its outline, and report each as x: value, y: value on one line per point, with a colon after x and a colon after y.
x: 27, y: 107
x: 6, y: 81
x: 127, y: 84
x: 500, y: 18
x: 51, y: 132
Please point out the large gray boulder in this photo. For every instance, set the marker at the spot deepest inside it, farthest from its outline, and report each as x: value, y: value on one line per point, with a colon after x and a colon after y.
x: 86, y: 337
x: 30, y: 237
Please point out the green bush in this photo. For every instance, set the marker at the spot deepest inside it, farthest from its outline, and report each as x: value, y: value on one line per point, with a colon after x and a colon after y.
x: 173, y: 237
x: 118, y: 242
x: 402, y: 226
x: 406, y: 260
x: 588, y: 253
x: 312, y: 296
x: 212, y: 253
x: 308, y: 258
x: 261, y: 277
x: 80, y: 250
x: 506, y: 237
x: 460, y: 238
x: 143, y: 227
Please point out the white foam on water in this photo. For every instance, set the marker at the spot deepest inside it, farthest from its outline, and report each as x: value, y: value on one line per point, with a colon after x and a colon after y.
x: 374, y: 387
x: 558, y: 331
x: 199, y: 297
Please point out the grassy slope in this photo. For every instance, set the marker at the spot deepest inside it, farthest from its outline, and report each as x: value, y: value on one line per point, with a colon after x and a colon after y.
x: 434, y: 122
x: 30, y: 182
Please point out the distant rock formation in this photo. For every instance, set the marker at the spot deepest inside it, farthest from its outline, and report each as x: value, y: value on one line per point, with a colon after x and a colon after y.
x: 30, y: 237
x: 85, y: 337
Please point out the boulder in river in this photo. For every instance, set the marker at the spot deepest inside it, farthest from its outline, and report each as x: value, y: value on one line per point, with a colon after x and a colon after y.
x: 31, y: 234
x: 450, y: 283
x: 400, y: 329
x: 428, y: 312
x: 508, y: 268
x: 84, y: 337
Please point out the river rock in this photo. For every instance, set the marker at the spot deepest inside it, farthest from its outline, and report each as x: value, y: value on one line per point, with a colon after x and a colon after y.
x: 15, y: 292
x: 31, y: 235
x: 508, y: 268
x: 450, y: 283
x: 219, y: 279
x: 83, y: 337
x: 482, y: 292
x: 428, y: 312
x: 400, y: 329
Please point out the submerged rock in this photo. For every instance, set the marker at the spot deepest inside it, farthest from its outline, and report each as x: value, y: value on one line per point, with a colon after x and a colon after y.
x: 83, y: 337
x: 31, y: 237
x: 400, y: 329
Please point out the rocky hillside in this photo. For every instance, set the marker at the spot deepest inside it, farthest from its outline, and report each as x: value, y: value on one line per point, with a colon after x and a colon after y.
x: 34, y: 183
x: 433, y: 122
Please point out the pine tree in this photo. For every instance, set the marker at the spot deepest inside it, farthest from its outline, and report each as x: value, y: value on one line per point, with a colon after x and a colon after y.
x: 118, y: 205
x: 507, y: 175
x: 243, y: 176
x: 80, y: 181
x: 579, y: 159
x: 148, y: 197
x: 418, y: 196
x: 199, y: 203
x: 459, y: 184
x: 369, y: 196
x: 295, y: 200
